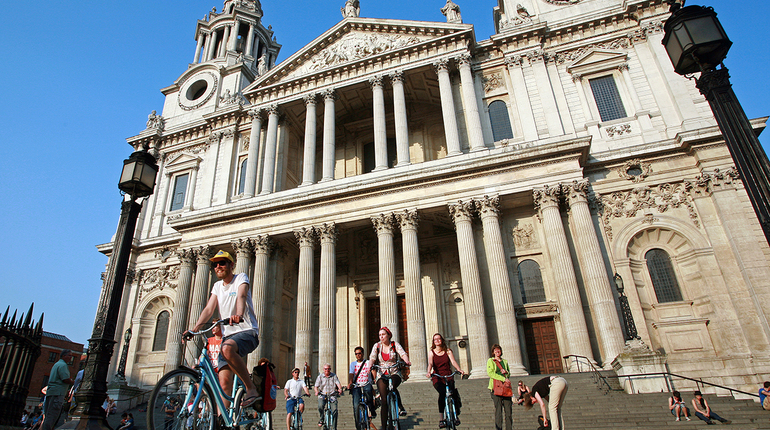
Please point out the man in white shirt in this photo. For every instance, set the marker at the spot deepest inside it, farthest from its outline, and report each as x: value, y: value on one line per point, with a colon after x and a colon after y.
x: 232, y: 296
x: 293, y: 391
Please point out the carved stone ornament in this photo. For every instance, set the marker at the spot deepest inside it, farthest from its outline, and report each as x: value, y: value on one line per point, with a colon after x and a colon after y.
x: 352, y: 9
x: 522, y: 17
x: 618, y: 130
x: 355, y: 47
x: 160, y: 278
x: 536, y: 309
x: 155, y: 121
x: 452, y: 12
x: 620, y: 43
x: 627, y: 204
x: 492, y: 82
x: 236, y: 98
x: 524, y: 236
x: 563, y: 2
x: 635, y: 170
x: 706, y: 183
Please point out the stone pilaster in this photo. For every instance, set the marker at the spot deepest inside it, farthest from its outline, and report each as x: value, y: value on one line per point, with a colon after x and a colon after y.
x: 250, y: 187
x: 448, y: 108
x: 415, y: 313
x: 502, y: 298
x: 327, y: 297
x: 383, y: 225
x: 570, y: 307
x: 400, y: 118
x: 178, y: 323
x: 478, y: 340
x: 303, y: 345
x: 521, y: 96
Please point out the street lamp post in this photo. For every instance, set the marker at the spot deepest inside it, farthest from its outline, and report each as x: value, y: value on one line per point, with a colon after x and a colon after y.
x: 696, y: 42
x: 625, y: 309
x: 123, y: 357
x: 136, y: 181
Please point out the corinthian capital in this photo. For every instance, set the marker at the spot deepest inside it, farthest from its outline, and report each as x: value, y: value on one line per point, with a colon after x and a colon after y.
x: 397, y: 76
x: 463, y: 60
x: 329, y: 94
x: 376, y: 82
x: 256, y: 114
x: 546, y: 196
x: 204, y: 253
x: 273, y: 110
x: 407, y: 219
x: 441, y: 66
x: 185, y: 255
x: 305, y: 236
x: 327, y: 232
x: 262, y: 244
x: 383, y: 223
x: 489, y: 206
x: 577, y: 191
x: 310, y: 99
x: 462, y: 211
x: 242, y: 246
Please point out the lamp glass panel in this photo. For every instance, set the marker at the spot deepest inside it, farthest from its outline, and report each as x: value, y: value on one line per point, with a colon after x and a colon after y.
x: 704, y: 30
x: 128, y: 172
x: 148, y: 176
x: 673, y: 49
x: 681, y: 33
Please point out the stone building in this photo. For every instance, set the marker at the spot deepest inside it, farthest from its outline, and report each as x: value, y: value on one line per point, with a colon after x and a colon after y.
x: 403, y: 174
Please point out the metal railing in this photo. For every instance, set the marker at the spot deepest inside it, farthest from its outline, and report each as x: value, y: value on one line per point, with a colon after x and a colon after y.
x: 584, y: 363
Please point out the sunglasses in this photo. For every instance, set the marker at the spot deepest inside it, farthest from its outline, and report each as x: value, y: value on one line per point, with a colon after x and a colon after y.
x: 221, y: 263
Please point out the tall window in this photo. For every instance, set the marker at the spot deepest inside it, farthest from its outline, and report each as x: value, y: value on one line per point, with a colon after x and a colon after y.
x: 501, y: 123
x: 242, y: 176
x: 663, y: 276
x: 161, y: 332
x: 531, y: 282
x: 180, y: 190
x: 607, y: 98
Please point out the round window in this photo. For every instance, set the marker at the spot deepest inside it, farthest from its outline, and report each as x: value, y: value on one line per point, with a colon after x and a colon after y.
x: 197, y: 90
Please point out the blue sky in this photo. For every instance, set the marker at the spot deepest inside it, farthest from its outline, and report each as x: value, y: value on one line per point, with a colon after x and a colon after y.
x: 80, y: 77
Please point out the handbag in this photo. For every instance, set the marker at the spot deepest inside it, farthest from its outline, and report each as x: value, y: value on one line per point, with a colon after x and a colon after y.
x: 502, y: 388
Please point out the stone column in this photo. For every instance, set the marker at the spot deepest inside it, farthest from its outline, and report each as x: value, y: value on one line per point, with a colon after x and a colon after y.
x: 570, y: 307
x: 212, y: 45
x: 472, y: 118
x: 383, y: 225
x: 598, y: 289
x: 201, y: 290
x: 521, y: 98
x: 178, y: 323
x: 380, y: 133
x: 252, y: 163
x: 399, y: 115
x: 198, y: 47
x: 303, y: 345
x: 225, y: 42
x: 234, y: 35
x: 327, y: 297
x: 329, y: 135
x: 243, y: 253
x: 415, y: 310
x: 268, y: 171
x: 262, y: 246
x: 502, y: 297
x: 250, y: 41
x: 308, y: 166
x: 448, y: 108
x: 478, y: 341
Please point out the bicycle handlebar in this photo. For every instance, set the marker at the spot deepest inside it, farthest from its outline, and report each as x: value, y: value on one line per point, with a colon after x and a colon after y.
x: 456, y: 372
x: 189, y: 333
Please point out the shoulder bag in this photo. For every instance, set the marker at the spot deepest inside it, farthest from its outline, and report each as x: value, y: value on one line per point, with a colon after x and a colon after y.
x: 502, y: 388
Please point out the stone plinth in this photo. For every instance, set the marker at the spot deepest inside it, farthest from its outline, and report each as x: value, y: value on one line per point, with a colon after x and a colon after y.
x: 638, y: 358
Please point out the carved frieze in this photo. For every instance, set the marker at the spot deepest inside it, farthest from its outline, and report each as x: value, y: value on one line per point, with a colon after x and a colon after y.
x: 355, y: 47
x: 635, y: 170
x: 524, y: 236
x: 492, y: 82
x: 618, y: 130
x: 706, y: 183
x: 159, y: 278
x: 627, y: 204
x: 522, y: 17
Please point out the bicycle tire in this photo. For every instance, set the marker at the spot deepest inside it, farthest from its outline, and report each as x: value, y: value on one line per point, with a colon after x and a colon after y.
x: 363, y: 416
x: 296, y: 420
x: 449, y: 414
x: 173, y: 390
x: 267, y: 421
x: 393, y: 411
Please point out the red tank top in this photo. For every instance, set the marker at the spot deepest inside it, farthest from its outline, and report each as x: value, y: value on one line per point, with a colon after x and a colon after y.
x: 441, y: 366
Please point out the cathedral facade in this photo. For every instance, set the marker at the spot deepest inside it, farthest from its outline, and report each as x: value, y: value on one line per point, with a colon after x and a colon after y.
x: 403, y: 174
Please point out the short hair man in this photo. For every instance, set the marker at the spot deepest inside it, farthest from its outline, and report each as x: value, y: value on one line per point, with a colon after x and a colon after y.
x: 360, y: 382
x: 292, y: 390
x: 327, y: 385
x: 232, y: 296
x: 58, y: 385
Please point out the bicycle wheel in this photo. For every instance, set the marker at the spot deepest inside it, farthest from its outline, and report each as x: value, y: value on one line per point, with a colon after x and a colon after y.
x: 267, y: 421
x: 328, y: 418
x: 171, y: 403
x: 393, y: 411
x: 449, y: 414
x: 362, y: 415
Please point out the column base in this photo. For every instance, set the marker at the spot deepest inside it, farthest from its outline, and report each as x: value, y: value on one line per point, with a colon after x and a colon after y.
x: 638, y: 358
x: 479, y: 373
x: 454, y: 153
x: 519, y: 370
x: 377, y: 169
x: 478, y: 148
x: 403, y: 163
x: 326, y: 179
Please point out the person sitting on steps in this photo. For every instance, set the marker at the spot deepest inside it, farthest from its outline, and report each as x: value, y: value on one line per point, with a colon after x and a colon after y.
x: 677, y: 407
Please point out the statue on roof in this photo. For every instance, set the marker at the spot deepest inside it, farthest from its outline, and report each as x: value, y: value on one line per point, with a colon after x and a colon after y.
x: 351, y: 10
x: 452, y: 12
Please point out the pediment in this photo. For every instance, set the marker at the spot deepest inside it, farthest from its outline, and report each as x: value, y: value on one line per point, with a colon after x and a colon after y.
x: 182, y: 161
x: 597, y: 60
x: 354, y: 40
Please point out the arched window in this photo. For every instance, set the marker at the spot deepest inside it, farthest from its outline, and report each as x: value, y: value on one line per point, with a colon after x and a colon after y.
x: 531, y: 282
x: 663, y: 276
x: 161, y: 331
x: 242, y: 176
x: 501, y: 123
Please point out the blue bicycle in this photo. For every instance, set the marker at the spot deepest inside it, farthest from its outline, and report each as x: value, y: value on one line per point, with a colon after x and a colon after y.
x: 188, y: 399
x: 362, y: 416
x: 450, y: 410
x: 392, y: 401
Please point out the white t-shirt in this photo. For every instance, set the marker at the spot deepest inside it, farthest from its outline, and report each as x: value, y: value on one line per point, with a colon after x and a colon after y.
x: 226, y: 296
x: 295, y: 387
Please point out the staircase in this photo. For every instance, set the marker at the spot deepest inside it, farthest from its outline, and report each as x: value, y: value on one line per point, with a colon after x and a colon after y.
x: 585, y: 407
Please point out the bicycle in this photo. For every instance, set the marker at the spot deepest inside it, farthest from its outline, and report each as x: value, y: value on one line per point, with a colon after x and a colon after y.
x: 450, y: 412
x: 188, y: 398
x: 327, y: 418
x: 392, y: 401
x: 361, y: 414
x: 296, y: 414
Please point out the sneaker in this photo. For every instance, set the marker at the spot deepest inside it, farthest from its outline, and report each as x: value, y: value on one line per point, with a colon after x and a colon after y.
x: 677, y: 418
x: 688, y: 418
x: 726, y: 421
x: 402, y: 413
x: 457, y: 422
x: 442, y: 424
x: 320, y: 423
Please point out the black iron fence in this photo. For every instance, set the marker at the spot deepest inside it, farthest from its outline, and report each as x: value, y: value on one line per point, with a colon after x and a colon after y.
x: 19, y: 348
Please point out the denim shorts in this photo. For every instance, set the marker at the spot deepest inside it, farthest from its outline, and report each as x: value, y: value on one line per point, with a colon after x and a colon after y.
x: 246, y: 341
x: 291, y: 402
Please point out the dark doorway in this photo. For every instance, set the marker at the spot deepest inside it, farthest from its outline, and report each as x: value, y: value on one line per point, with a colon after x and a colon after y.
x: 373, y: 322
x: 542, y: 346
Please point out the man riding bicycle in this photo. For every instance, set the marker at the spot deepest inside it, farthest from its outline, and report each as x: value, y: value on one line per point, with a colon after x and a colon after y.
x: 328, y: 385
x: 232, y: 296
x: 360, y: 375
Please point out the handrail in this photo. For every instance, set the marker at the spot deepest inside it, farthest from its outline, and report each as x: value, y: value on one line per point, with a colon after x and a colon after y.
x: 597, y: 376
x: 666, y: 375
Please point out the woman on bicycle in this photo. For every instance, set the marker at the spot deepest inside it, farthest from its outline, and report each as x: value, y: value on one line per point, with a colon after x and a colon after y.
x: 440, y: 356
x: 386, y: 353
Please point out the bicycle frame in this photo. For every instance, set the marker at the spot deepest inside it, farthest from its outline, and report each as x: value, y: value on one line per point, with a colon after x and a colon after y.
x: 449, y: 407
x: 365, y: 400
x: 296, y: 418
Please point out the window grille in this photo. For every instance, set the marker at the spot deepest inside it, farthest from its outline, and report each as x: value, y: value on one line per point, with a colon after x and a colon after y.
x: 607, y: 98
x: 161, y: 332
x: 531, y: 282
x: 663, y: 277
x: 501, y: 123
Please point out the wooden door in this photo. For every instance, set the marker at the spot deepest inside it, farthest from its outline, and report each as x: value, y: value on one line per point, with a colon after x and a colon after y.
x: 542, y: 347
x: 373, y: 324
